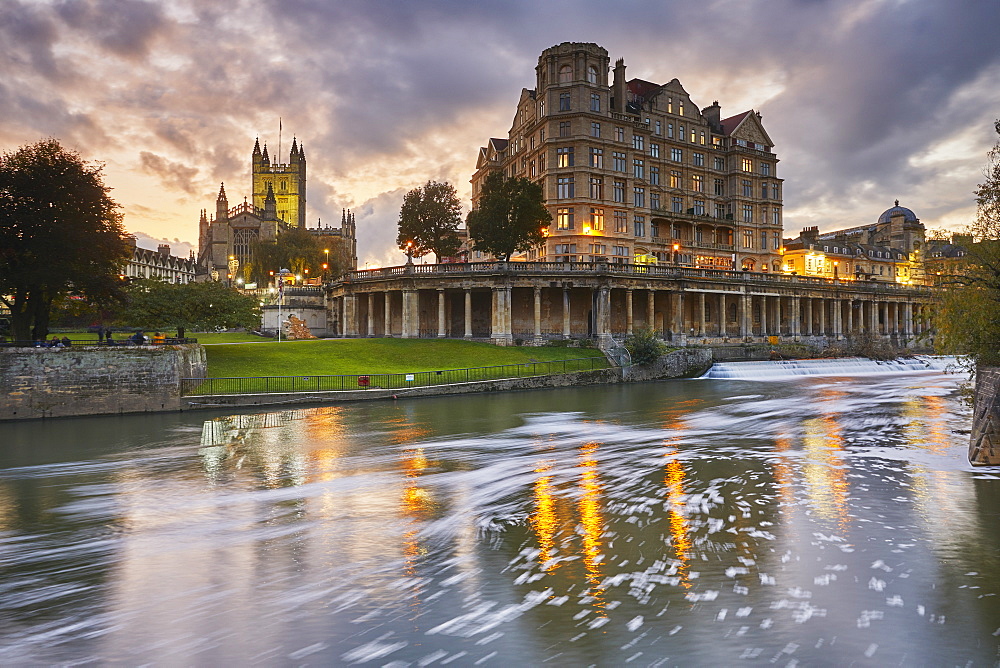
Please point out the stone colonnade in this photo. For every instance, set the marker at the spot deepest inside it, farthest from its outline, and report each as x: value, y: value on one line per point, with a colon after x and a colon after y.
x: 533, y: 311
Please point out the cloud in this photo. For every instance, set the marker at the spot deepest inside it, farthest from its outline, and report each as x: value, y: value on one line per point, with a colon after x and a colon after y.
x: 172, y: 174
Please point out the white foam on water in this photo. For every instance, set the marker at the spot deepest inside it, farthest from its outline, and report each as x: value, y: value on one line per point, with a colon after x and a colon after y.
x: 845, y: 366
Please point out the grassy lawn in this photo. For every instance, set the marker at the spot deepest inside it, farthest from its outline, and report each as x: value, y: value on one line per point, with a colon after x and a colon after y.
x: 370, y: 356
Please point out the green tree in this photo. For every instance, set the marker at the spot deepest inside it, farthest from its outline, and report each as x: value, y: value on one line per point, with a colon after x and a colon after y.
x: 968, y: 320
x: 60, y: 234
x: 297, y: 250
x: 511, y: 216
x: 153, y: 304
x: 428, y: 221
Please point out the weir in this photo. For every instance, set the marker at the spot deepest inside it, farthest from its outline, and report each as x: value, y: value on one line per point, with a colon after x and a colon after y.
x: 847, y: 366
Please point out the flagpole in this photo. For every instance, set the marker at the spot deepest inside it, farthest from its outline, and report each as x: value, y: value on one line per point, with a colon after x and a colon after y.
x: 279, y: 139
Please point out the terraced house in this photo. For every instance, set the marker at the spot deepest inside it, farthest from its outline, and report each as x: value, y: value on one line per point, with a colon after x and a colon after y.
x: 635, y: 172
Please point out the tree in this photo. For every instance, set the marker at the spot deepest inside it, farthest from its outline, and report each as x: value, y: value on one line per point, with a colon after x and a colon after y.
x: 428, y: 221
x: 153, y: 304
x: 60, y: 234
x: 511, y: 216
x: 968, y: 320
x: 297, y: 250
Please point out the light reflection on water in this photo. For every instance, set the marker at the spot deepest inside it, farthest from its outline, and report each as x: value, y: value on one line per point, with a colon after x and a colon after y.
x: 822, y: 521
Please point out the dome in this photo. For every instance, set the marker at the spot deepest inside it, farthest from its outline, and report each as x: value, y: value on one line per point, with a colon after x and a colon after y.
x: 896, y: 210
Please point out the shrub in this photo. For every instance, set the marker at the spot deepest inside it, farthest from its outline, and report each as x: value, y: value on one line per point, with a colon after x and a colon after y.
x: 644, y: 347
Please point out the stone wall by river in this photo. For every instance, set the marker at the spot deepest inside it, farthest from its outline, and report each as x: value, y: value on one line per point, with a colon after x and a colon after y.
x: 984, y: 448
x: 91, y: 380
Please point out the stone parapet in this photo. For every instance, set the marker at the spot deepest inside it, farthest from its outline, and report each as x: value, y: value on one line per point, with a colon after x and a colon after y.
x: 984, y: 445
x: 89, y: 380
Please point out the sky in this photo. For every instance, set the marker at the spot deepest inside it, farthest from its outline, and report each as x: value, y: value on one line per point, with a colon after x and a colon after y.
x: 867, y: 101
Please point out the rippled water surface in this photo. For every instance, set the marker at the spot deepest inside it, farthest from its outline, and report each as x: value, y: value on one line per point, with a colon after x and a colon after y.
x: 818, y: 521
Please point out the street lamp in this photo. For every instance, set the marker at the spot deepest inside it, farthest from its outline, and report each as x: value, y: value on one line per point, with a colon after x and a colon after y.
x: 677, y: 247
x: 835, y: 263
x: 409, y: 252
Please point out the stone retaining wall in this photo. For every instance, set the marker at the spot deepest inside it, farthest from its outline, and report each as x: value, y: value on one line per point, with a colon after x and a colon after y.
x: 984, y: 445
x: 91, y: 380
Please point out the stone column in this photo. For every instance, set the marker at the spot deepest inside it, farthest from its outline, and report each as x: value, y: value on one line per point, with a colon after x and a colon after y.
x: 777, y: 316
x: 371, y: 314
x: 350, y: 315
x: 885, y: 318
x: 701, y: 314
x: 678, y: 327
x: 602, y: 318
x: 651, y: 310
x: 908, y: 322
x: 565, y: 314
x: 796, y: 315
x: 629, y: 323
x: 722, y: 316
x: 468, y: 313
x: 849, y: 308
x: 386, y: 313
x: 501, y: 334
x: 538, y: 315
x: 745, y: 315
x: 442, y: 326
x: 838, y: 319
x: 821, y: 307
x: 411, y: 314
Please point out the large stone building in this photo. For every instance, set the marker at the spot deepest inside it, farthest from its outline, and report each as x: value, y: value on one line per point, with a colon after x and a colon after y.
x: 278, y: 203
x: 635, y: 172
x: 159, y: 264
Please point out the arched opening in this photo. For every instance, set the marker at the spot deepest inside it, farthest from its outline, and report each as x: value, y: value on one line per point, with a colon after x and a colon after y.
x: 592, y: 74
x: 565, y: 74
x: 748, y: 264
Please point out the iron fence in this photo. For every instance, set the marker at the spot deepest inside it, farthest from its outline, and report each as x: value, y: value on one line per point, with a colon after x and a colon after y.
x: 383, y: 381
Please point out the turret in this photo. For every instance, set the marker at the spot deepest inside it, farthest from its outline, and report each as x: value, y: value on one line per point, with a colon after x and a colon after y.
x: 256, y: 154
x: 293, y: 155
x: 270, y: 204
x: 222, y: 205
x: 265, y: 159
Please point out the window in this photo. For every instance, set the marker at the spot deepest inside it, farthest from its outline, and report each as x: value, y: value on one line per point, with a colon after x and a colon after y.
x: 654, y: 200
x: 564, y: 156
x: 618, y: 161
x: 657, y: 129
x: 565, y: 74
x: 670, y: 130
x: 763, y: 240
x: 595, y: 130
x: 541, y: 135
x: 618, y: 191
x: 619, y: 134
x: 775, y: 241
x: 592, y: 74
x: 698, y: 159
x: 765, y: 169
x: 698, y: 183
x: 638, y: 142
x: 639, y: 223
x: 694, y: 135
x: 621, y: 222
x: 747, y: 188
x: 677, y: 204
x: 620, y: 251
x: 598, y: 249
x: 564, y: 187
x: 596, y: 187
x: 639, y: 197
x: 776, y: 214
x: 564, y: 219
x: 541, y: 108
x: 747, y: 164
x: 670, y: 105
x: 747, y: 213
x: 720, y: 211
x: 531, y: 169
x: 774, y: 191
x: 763, y: 191
x: 748, y: 238
x: 680, y: 132
x: 676, y: 154
x: 699, y: 207
x: 564, y: 128
x: 564, y: 103
x: 701, y: 138
x: 720, y: 164
x: 597, y: 158
x: 654, y: 149
x: 595, y: 102
x: 675, y: 179
x: 654, y: 175
x: 638, y: 168
x: 720, y: 187
x: 564, y: 249
x: 597, y: 219
x: 680, y: 108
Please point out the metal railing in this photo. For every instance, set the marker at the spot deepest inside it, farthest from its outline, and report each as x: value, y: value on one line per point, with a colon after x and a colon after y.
x: 383, y: 381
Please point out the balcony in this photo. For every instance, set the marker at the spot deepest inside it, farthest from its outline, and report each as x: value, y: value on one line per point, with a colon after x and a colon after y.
x: 631, y: 120
x: 689, y: 244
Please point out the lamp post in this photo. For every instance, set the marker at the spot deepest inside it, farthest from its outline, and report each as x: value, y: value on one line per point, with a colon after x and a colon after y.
x: 835, y: 263
x: 409, y: 252
x: 677, y: 247
x: 326, y: 262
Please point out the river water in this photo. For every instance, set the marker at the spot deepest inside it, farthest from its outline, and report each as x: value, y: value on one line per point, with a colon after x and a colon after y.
x: 805, y: 520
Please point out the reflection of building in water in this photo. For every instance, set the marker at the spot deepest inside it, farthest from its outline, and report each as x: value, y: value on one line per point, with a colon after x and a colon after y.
x: 825, y: 470
x: 590, y: 518
x: 544, y: 521
x: 676, y: 500
x: 417, y: 506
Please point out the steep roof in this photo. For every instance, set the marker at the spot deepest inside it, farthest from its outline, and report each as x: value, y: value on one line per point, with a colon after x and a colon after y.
x: 730, y: 124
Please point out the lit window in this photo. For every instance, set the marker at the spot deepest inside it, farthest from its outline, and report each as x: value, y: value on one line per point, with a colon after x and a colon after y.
x: 701, y: 139
x: 597, y: 219
x: 564, y: 187
x: 670, y: 105
x: 597, y: 158
x: 675, y: 179
x: 748, y: 238
x: 531, y: 168
x: 698, y: 183
x: 680, y: 108
x: 747, y: 165
x: 564, y: 219
x: 694, y: 135
x: 564, y: 156
x: 565, y: 74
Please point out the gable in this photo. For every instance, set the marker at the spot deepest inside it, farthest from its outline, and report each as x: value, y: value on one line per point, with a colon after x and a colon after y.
x: 751, y: 129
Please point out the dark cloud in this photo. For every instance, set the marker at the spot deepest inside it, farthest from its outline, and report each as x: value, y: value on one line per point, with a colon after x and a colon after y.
x: 171, y: 174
